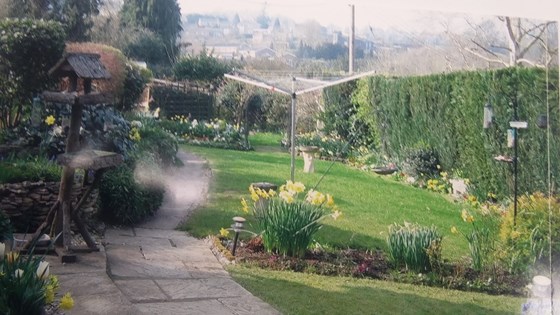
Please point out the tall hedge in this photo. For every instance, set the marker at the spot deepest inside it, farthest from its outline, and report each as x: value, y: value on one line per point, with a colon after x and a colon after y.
x: 445, y: 112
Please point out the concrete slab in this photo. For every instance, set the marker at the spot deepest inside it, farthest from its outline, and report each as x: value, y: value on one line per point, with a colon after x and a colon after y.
x: 201, y: 288
x: 87, y: 284
x: 146, y: 269
x: 201, y: 307
x: 87, y: 262
x: 102, y: 304
x: 141, y: 291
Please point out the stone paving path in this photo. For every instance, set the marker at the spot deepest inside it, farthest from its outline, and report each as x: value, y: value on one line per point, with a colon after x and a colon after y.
x: 153, y: 269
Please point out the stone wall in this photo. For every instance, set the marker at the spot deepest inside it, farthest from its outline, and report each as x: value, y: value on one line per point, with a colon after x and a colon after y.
x: 28, y: 203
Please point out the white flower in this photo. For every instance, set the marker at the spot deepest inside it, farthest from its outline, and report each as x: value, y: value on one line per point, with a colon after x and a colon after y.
x: 136, y: 123
x: 2, y: 250
x: 18, y: 273
x: 43, y: 270
x: 57, y: 131
x: 194, y: 123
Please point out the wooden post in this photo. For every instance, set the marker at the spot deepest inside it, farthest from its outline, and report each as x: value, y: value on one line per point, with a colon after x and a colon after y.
x: 67, y: 180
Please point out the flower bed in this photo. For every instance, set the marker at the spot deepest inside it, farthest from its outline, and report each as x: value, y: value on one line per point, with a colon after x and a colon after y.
x: 374, y: 265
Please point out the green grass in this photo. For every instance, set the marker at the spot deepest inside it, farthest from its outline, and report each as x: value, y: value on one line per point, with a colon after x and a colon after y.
x: 369, y: 203
x: 298, y: 293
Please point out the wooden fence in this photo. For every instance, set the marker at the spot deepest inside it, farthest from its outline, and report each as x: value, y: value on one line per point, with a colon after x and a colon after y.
x: 174, y: 98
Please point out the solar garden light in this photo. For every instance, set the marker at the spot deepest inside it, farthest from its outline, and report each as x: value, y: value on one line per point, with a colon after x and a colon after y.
x: 237, y: 226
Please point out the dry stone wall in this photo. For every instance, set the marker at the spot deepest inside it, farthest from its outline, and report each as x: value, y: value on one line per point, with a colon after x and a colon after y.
x: 28, y: 203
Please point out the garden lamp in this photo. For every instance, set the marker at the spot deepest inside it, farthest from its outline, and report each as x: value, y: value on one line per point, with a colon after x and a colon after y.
x: 237, y: 226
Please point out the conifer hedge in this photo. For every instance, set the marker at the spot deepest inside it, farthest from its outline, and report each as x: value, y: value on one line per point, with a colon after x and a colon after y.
x: 445, y: 112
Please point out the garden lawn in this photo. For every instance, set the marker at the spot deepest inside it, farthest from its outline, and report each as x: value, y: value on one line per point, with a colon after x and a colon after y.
x: 370, y: 203
x: 299, y: 293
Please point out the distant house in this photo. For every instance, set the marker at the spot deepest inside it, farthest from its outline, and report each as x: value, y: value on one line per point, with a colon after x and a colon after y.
x: 225, y: 52
x: 265, y: 53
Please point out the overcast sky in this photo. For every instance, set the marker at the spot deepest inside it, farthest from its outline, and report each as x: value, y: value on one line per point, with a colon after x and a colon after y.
x: 378, y: 13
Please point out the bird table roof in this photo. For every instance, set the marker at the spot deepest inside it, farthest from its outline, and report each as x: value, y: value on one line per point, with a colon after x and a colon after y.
x: 84, y: 65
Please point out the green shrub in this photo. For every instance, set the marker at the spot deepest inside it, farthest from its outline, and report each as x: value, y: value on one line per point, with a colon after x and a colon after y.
x: 28, y: 49
x: 422, y: 163
x: 331, y: 146
x: 135, y: 81
x: 528, y: 242
x: 125, y: 200
x: 5, y: 227
x: 409, y: 245
x: 154, y: 139
x: 203, y: 67
x: 37, y: 169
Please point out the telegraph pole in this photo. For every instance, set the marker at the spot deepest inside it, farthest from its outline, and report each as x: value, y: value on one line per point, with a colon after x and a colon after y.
x: 351, y: 38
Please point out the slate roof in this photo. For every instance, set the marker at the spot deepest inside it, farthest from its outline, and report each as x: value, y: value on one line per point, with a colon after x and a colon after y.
x: 84, y: 65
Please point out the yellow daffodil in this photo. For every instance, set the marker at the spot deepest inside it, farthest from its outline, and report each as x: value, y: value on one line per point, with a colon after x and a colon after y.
x: 224, y: 232
x: 49, y: 294
x: 464, y: 215
x: 315, y: 198
x: 330, y: 201
x: 271, y: 193
x: 244, y: 205
x: 454, y: 230
x: 12, y: 257
x: 336, y: 214
x: 254, y: 195
x: 262, y: 194
x: 286, y: 196
x: 443, y: 174
x: 296, y: 187
x: 50, y: 120
x: 67, y: 302
x: 53, y: 281
x: 134, y: 134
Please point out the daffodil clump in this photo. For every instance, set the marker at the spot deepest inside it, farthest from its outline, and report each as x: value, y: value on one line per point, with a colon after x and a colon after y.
x: 480, y: 239
x: 288, y: 220
x: 26, y: 285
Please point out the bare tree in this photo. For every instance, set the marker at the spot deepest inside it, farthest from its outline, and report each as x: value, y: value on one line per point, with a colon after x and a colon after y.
x: 509, y: 42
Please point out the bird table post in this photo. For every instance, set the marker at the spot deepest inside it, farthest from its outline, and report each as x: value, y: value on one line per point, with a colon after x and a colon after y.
x: 67, y: 180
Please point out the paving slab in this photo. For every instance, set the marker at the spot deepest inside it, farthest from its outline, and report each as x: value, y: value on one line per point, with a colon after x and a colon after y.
x: 141, y: 290
x: 201, y: 288
x: 200, y: 307
x: 106, y: 304
x: 87, y: 284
